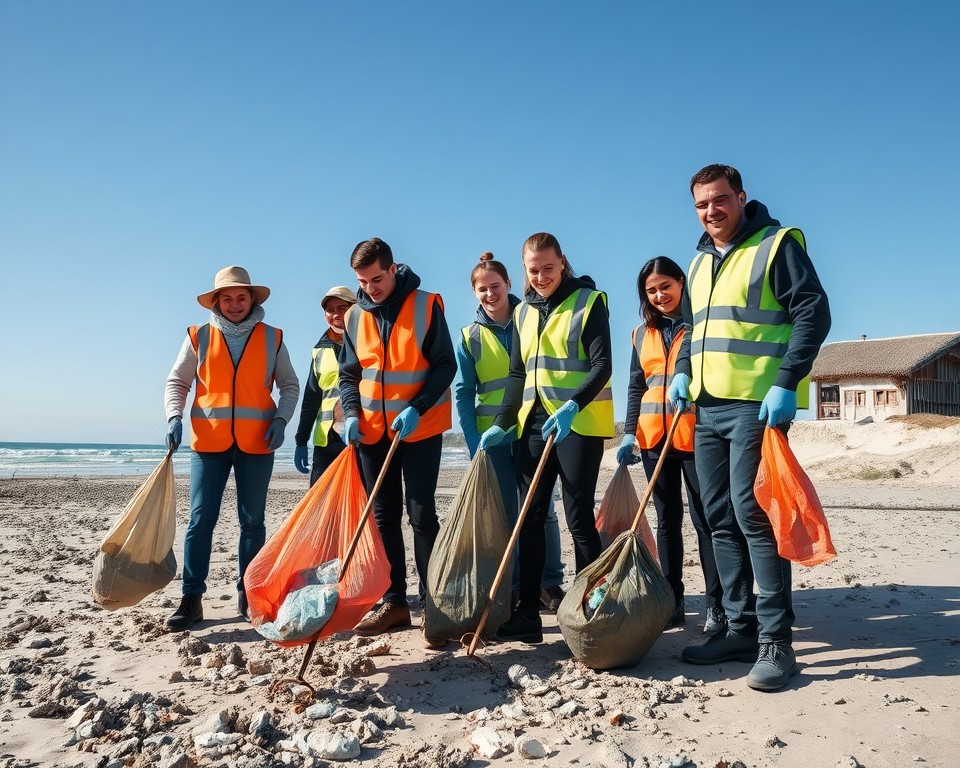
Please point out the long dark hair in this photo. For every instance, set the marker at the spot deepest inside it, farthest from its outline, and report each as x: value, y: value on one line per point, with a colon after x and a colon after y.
x: 661, y: 265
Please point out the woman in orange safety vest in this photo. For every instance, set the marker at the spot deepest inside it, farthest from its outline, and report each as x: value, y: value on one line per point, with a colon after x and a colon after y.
x: 236, y: 360
x: 650, y: 414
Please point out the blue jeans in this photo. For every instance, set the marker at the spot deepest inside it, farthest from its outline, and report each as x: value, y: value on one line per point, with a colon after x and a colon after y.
x: 727, y: 453
x: 501, y: 456
x: 209, y: 473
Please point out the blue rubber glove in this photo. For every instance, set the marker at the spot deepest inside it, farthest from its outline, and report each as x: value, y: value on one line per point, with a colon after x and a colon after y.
x: 351, y: 429
x: 274, y: 436
x: 300, y: 459
x: 406, y: 421
x: 625, y: 453
x: 493, y: 436
x: 779, y: 406
x: 560, y: 422
x: 679, y: 392
x: 174, y: 433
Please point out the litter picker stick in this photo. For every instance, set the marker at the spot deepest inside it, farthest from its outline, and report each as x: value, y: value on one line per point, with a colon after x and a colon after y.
x: 367, y: 509
x: 471, y: 649
x: 353, y: 544
x: 656, y: 473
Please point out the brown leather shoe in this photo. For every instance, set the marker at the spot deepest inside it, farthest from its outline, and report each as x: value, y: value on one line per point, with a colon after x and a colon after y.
x: 388, y: 616
x: 429, y: 642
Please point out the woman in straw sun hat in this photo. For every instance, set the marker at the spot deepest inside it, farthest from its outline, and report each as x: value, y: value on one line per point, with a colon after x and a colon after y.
x: 236, y: 360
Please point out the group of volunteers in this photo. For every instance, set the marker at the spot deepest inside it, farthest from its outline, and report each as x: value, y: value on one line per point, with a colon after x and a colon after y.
x: 736, y: 334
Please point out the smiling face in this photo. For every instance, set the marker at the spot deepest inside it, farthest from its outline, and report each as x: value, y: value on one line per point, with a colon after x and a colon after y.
x: 663, y: 292
x: 720, y: 210
x: 544, y: 270
x: 334, y: 310
x: 375, y: 281
x: 235, y: 304
x: 491, y: 291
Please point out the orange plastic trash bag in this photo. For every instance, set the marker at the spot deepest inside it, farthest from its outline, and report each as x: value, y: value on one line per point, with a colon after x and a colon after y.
x: 295, y: 589
x: 617, y: 510
x: 788, y: 497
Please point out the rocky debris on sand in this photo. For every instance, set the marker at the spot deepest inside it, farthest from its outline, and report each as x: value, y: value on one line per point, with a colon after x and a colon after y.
x: 529, y: 749
x: 489, y: 743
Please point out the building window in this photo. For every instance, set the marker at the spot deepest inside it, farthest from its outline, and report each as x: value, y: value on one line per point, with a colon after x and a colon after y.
x: 885, y: 397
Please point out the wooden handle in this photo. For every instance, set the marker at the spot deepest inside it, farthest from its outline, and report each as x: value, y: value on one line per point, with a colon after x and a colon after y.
x: 510, y: 545
x: 656, y: 472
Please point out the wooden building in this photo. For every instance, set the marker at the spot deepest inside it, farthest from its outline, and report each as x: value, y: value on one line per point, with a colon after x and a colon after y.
x: 886, y: 377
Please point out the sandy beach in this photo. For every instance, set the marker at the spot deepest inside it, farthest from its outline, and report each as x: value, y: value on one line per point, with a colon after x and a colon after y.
x: 877, y: 637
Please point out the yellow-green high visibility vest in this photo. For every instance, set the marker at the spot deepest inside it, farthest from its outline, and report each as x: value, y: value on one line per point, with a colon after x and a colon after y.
x: 492, y: 364
x: 740, y: 330
x: 557, y: 364
x: 327, y: 370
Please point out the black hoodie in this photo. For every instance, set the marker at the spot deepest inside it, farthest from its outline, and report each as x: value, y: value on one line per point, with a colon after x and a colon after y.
x: 595, y: 340
x: 437, y: 347
x: 312, y: 393
x: 796, y: 286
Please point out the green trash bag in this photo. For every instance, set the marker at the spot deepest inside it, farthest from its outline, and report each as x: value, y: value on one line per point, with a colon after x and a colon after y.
x: 466, y: 556
x: 617, y: 607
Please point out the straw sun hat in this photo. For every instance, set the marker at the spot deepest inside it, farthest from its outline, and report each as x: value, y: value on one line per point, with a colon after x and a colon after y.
x: 232, y: 277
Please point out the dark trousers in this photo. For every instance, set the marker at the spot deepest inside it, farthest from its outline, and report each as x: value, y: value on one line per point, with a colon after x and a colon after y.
x: 209, y: 473
x: 324, y: 456
x: 727, y: 450
x: 680, y: 469
x: 412, y: 475
x: 576, y: 461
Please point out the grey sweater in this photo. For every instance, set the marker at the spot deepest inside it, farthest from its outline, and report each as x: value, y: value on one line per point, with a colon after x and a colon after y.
x: 184, y: 371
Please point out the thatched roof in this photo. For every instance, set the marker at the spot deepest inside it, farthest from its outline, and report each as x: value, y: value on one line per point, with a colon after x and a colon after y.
x: 897, y: 357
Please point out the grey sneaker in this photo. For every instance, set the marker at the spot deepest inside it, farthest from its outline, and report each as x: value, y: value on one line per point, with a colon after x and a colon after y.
x: 724, y: 645
x: 716, y: 620
x: 776, y: 664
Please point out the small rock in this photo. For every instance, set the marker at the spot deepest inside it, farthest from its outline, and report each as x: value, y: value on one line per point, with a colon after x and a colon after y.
x: 229, y: 671
x: 529, y: 749
x: 479, y: 715
x: 849, y: 762
x: 331, y: 745
x: 616, y: 717
x: 260, y: 680
x: 176, y: 677
x: 215, y: 740
x: 774, y: 741
x: 80, y: 714
x: 258, y: 667
x: 568, y: 709
x: 319, y: 711
x: 488, y: 742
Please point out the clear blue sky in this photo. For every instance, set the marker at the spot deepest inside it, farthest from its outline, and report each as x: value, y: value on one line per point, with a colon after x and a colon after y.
x: 145, y: 145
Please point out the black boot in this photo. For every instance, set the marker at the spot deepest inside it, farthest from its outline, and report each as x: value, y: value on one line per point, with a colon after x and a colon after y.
x: 242, y: 605
x: 522, y: 628
x: 188, y: 614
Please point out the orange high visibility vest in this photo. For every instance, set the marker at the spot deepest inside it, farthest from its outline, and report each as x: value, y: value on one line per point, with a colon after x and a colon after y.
x: 233, y: 403
x: 391, y: 378
x: 656, y: 410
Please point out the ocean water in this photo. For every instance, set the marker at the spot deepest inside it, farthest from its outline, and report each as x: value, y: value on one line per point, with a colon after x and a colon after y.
x: 102, y: 459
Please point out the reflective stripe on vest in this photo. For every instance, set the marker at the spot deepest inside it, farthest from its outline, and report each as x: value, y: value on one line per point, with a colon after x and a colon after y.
x: 327, y: 370
x: 740, y: 330
x: 492, y: 364
x: 557, y: 365
x: 233, y: 404
x: 390, y: 380
x: 656, y: 410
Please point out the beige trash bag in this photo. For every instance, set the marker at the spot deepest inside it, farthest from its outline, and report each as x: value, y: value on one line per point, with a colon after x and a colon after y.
x: 618, y: 508
x: 466, y: 555
x: 136, y: 556
x: 628, y: 602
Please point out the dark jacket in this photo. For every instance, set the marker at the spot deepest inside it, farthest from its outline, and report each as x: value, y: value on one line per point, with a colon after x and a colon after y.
x: 312, y: 393
x: 668, y: 327
x: 595, y: 340
x: 796, y: 286
x: 437, y: 347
